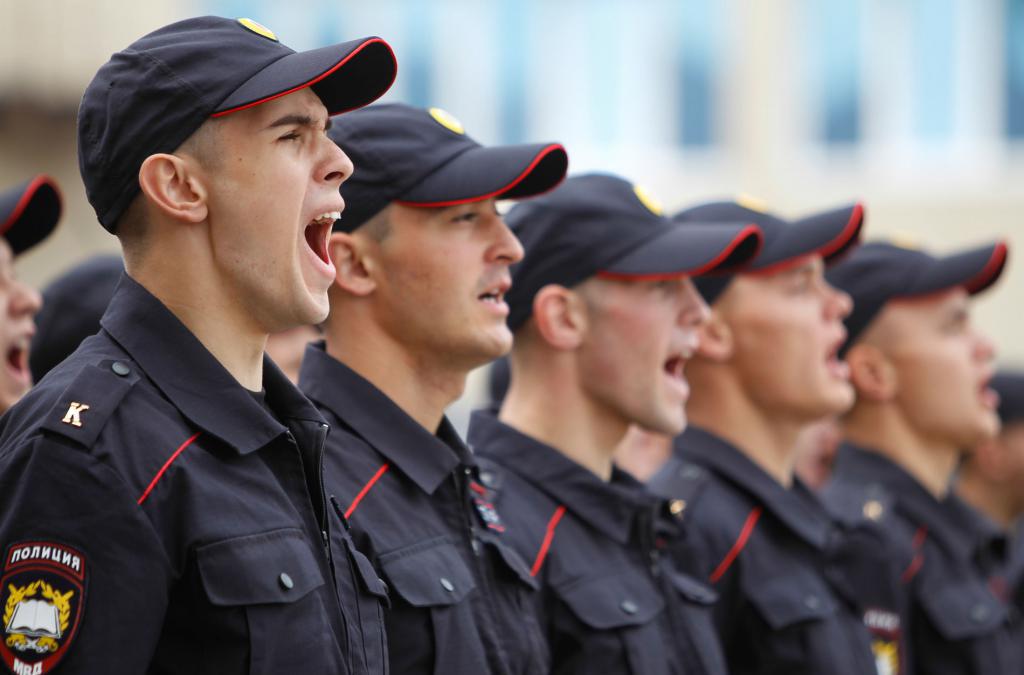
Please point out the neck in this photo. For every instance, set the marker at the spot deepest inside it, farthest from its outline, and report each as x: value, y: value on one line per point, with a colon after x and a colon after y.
x: 546, y: 403
x: 1000, y: 507
x: 418, y: 384
x: 220, y: 323
x: 883, y: 429
x: 765, y: 437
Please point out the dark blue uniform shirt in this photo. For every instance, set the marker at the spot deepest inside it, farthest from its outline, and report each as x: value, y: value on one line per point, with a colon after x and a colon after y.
x: 790, y: 583
x: 957, y: 619
x: 458, y: 593
x: 154, y: 518
x: 610, y: 601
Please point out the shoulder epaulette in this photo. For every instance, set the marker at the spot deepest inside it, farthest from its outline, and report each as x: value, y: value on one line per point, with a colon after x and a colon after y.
x: 90, y: 400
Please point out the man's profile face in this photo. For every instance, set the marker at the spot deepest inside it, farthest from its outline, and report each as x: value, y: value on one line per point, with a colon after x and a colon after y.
x: 443, y: 273
x: 942, y: 367
x: 787, y: 330
x: 19, y: 304
x: 273, y: 184
x: 639, y: 337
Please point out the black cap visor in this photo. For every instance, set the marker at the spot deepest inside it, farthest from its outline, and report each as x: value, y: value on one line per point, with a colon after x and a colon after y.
x: 829, y: 234
x: 688, y: 250
x: 973, y: 270
x: 346, y: 76
x: 502, y: 172
x: 28, y: 214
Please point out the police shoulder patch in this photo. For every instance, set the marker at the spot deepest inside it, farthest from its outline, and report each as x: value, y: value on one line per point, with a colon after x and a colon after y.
x: 42, y: 600
x: 88, y: 402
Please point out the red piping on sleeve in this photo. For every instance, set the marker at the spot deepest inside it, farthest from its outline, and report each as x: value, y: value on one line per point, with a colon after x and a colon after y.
x: 549, y: 535
x: 915, y: 564
x: 322, y: 76
x: 554, y: 147
x: 167, y: 465
x: 741, y: 541
x: 366, y: 488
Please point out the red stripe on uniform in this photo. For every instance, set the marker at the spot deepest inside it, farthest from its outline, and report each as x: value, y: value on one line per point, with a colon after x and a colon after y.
x: 366, y: 488
x: 915, y: 564
x: 548, y: 536
x: 167, y: 465
x: 741, y: 541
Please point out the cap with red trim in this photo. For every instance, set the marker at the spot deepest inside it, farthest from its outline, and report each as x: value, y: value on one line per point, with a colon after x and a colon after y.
x: 424, y: 158
x: 881, y: 271
x: 603, y: 225
x: 150, y: 97
x: 829, y: 233
x: 29, y: 212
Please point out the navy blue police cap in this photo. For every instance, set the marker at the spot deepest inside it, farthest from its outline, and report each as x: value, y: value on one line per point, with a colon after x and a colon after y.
x: 423, y: 158
x: 829, y: 233
x: 150, y: 97
x: 881, y: 271
x: 72, y: 307
x: 602, y: 225
x: 29, y: 212
x: 1009, y: 384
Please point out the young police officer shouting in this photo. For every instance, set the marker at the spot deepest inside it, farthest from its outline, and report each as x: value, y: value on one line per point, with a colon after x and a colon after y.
x: 766, y: 368
x: 605, y: 319
x: 417, y: 302
x: 921, y: 372
x: 161, y: 507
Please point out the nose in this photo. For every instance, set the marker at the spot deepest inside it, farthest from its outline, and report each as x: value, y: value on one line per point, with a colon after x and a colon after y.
x: 508, y: 249
x: 984, y: 348
x: 695, y: 311
x: 337, y: 167
x: 840, y: 304
x: 25, y: 300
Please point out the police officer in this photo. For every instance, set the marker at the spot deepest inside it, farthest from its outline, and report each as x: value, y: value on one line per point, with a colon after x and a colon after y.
x: 161, y: 507
x: 417, y: 302
x: 28, y: 214
x: 790, y: 583
x: 605, y: 318
x: 921, y: 372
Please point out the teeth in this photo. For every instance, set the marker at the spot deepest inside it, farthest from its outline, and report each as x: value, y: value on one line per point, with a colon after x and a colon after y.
x: 327, y: 217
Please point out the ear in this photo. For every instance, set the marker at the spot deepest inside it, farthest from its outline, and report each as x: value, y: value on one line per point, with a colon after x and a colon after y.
x: 353, y: 267
x: 560, y: 317
x: 716, y: 339
x: 173, y: 187
x: 872, y: 373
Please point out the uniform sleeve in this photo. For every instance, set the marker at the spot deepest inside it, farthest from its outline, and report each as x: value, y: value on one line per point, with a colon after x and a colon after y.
x: 85, y: 578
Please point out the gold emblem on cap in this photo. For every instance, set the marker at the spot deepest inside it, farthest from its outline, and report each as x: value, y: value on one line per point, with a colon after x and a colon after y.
x: 753, y: 203
x: 648, y: 200
x: 258, y: 28
x: 447, y: 120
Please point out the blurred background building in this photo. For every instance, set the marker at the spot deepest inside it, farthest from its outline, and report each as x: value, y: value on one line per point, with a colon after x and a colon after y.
x: 915, y: 107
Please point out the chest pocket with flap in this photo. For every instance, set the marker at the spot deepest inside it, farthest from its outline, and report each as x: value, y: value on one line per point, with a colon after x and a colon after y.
x: 428, y: 574
x: 791, y: 599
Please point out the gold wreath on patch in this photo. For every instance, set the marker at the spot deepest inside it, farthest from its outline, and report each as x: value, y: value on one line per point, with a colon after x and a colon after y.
x: 36, y: 616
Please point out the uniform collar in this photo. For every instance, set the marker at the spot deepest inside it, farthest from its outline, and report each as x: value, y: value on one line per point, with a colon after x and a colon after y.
x: 193, y: 380
x: 612, y: 508
x: 872, y: 469
x: 988, y: 541
x: 424, y: 457
x: 796, y: 508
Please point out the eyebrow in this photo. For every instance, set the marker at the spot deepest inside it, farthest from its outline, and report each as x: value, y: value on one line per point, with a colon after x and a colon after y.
x: 299, y: 120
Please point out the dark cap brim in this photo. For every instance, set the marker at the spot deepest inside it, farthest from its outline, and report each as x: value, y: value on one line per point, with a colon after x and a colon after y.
x: 829, y: 234
x: 688, y: 250
x: 502, y: 172
x: 973, y: 270
x: 29, y: 213
x: 345, y: 76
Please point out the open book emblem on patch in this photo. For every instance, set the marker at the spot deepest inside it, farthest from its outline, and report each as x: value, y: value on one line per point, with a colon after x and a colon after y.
x: 41, y: 605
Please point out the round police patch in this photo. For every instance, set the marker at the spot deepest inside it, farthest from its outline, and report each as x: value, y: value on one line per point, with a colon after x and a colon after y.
x: 258, y: 28
x: 42, y: 599
x: 648, y: 200
x: 447, y: 120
